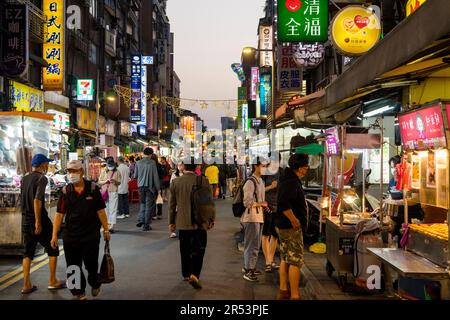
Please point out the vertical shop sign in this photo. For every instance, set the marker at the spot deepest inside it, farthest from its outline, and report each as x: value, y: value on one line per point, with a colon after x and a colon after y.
x: 289, y: 75
x: 143, y: 96
x: 265, y: 44
x: 85, y: 90
x: 265, y: 92
x: 303, y: 20
x: 242, y: 98
x: 53, y: 48
x: 15, y: 47
x: 254, y: 85
x: 136, y: 75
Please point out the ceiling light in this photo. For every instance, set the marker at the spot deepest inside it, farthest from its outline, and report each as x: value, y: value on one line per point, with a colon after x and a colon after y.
x: 377, y: 111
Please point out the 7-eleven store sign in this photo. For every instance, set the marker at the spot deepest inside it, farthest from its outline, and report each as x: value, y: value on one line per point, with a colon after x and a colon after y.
x: 85, y: 89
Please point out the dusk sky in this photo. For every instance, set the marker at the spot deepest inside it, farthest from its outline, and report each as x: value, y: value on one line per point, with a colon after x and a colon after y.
x: 209, y: 37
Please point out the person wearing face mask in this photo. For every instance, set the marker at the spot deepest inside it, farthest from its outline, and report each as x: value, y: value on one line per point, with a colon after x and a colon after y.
x: 109, y: 180
x: 290, y: 222
x: 82, y: 205
x: 36, y: 225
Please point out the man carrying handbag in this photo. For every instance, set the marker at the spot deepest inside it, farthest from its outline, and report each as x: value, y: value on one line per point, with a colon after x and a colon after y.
x: 83, y: 207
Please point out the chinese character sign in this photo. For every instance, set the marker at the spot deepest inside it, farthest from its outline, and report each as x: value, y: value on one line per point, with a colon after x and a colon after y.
x: 53, y: 48
x: 265, y: 44
x: 15, y: 44
x: 136, y: 76
x: 355, y: 30
x: 85, y: 89
x: 143, y: 96
x: 289, y: 75
x: 302, y: 20
x: 422, y: 129
x: 25, y: 98
x: 265, y: 93
x: 332, y: 141
x: 254, y: 85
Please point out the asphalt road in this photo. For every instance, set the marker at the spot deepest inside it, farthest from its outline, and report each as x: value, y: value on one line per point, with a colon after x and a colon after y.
x: 147, y: 266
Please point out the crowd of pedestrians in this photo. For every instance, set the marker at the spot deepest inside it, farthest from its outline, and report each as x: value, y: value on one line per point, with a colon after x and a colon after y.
x: 274, y: 215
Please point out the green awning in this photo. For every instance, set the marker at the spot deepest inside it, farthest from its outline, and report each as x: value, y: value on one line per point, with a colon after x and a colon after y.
x: 311, y: 149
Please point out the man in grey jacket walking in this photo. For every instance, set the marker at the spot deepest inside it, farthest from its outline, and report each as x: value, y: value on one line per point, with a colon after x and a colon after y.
x: 146, y: 174
x: 193, y: 237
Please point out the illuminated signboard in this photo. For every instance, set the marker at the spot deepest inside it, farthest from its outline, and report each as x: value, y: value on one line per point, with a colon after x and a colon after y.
x: 289, y: 74
x: 422, y: 129
x: 302, y: 20
x: 355, y: 30
x: 308, y: 55
x: 265, y: 44
x: 136, y: 76
x: 254, y: 84
x: 413, y: 5
x: 25, y: 98
x: 265, y: 93
x: 53, y: 48
x: 85, y: 90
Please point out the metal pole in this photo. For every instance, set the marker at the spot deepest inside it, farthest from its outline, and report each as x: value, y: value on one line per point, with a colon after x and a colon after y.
x: 381, y: 168
x: 97, y: 111
x: 341, y: 182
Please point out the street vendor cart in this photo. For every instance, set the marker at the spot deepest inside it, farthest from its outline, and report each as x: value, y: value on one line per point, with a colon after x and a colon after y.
x: 422, y: 262
x: 344, y: 196
x: 22, y: 134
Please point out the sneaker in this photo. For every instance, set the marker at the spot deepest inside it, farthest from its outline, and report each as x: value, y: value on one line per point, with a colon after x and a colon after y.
x: 255, y: 272
x: 140, y: 224
x: 147, y: 228
x: 127, y: 216
x: 250, y: 276
x: 154, y: 218
x: 268, y: 268
x: 173, y: 235
x: 95, y: 292
x: 122, y: 216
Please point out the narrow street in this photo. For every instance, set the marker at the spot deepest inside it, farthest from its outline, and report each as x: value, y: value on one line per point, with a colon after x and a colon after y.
x: 147, y: 266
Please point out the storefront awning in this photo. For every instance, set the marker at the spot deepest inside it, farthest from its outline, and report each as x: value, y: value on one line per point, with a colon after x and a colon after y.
x: 403, y: 43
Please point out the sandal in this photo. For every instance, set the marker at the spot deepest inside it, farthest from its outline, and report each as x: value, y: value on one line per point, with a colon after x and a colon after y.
x: 61, y: 285
x: 30, y: 290
x: 268, y: 268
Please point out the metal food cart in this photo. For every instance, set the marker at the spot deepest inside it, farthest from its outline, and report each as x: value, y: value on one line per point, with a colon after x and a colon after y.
x: 340, y: 196
x: 425, y: 180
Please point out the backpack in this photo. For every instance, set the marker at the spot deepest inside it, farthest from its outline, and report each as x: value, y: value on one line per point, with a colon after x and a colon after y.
x: 202, y: 204
x: 238, y: 201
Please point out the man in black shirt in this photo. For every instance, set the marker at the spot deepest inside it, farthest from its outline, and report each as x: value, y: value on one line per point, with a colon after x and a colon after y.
x: 290, y: 219
x: 84, y: 209
x: 36, y: 225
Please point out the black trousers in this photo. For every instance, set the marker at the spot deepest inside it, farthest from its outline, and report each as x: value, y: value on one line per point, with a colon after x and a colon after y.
x: 124, y: 208
x: 159, y: 209
x: 76, y: 254
x: 192, y: 249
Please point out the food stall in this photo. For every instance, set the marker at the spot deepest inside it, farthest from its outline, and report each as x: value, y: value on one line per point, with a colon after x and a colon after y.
x: 422, y: 263
x: 345, y: 200
x: 22, y: 134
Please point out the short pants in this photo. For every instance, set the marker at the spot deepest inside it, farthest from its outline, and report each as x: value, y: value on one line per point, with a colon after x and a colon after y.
x: 31, y: 239
x: 269, y: 226
x: 291, y: 246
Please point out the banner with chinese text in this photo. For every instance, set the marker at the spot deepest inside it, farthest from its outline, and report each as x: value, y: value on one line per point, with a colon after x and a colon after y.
x: 53, y: 48
x: 289, y: 75
x: 302, y: 20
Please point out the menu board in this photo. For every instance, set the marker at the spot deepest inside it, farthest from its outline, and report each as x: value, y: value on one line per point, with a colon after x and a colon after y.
x: 423, y: 129
x: 332, y: 141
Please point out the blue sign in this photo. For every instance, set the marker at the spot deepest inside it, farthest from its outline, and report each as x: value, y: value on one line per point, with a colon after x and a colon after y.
x: 136, y: 74
x: 142, y: 130
x: 147, y: 60
x: 265, y: 92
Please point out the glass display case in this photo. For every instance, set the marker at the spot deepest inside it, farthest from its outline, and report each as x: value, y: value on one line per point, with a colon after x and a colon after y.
x: 21, y: 136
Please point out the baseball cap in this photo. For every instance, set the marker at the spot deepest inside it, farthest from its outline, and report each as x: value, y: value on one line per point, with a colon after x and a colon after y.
x: 75, y: 165
x: 39, y: 159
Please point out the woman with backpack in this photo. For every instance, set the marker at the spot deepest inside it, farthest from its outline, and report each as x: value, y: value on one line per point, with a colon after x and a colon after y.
x: 252, y: 220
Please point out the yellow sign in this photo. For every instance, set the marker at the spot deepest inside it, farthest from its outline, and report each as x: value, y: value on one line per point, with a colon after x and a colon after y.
x: 86, y: 119
x: 25, y: 98
x: 413, y: 5
x: 53, y: 48
x: 355, y: 30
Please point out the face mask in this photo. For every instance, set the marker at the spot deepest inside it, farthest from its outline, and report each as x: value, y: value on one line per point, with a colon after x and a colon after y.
x: 110, y: 168
x: 74, y: 178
